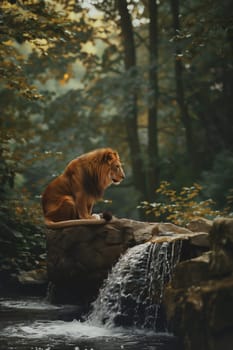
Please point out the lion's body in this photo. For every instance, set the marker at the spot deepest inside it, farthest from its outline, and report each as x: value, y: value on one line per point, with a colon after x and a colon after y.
x: 71, y: 195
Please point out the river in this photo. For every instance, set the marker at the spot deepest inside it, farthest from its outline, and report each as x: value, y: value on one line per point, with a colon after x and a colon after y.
x: 31, y: 323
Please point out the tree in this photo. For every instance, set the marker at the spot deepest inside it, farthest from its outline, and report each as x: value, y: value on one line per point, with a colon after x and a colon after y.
x: 131, y: 118
x: 207, y: 51
x: 180, y: 89
x: 153, y: 147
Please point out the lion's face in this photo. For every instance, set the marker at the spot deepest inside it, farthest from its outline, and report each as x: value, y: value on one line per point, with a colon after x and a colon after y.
x: 115, y: 173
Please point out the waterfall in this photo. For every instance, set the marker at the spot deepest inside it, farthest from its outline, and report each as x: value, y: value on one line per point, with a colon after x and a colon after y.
x: 132, y: 293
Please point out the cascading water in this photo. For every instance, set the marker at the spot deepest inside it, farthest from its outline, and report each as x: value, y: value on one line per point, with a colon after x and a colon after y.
x: 133, y: 291
x: 130, y: 297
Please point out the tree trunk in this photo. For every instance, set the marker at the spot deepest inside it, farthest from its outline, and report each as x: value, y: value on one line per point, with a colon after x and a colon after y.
x: 153, y: 151
x: 180, y: 95
x: 131, y: 119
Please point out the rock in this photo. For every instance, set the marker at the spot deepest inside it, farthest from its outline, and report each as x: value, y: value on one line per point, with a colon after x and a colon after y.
x: 221, y: 233
x: 38, y: 276
x: 221, y: 241
x: 200, y: 225
x: 79, y: 258
x: 201, y: 239
x: 192, y: 271
x: 193, y: 243
x: 140, y: 232
x: 202, y: 315
x: 199, y: 298
x: 166, y: 227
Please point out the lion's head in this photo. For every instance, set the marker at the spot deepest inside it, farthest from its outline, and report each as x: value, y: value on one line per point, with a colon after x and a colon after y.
x: 111, y: 170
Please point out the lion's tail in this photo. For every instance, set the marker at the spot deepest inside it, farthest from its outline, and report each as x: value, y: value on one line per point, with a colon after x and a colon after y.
x: 79, y: 222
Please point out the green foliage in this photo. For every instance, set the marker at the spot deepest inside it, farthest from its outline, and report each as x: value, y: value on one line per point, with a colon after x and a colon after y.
x: 22, y: 241
x: 27, y: 252
x: 179, y: 207
x: 37, y: 28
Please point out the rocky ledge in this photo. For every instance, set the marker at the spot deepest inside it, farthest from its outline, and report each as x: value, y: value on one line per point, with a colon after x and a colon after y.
x: 199, y: 298
x: 79, y: 258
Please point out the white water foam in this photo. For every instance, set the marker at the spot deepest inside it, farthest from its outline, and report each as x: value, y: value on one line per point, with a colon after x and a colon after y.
x: 58, y: 329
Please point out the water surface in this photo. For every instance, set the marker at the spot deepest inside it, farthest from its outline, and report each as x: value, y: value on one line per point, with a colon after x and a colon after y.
x: 34, y: 324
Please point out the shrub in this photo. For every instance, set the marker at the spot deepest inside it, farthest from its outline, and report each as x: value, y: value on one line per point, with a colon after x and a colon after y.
x: 179, y: 207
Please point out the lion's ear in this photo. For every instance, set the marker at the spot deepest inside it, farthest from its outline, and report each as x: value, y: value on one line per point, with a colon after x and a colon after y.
x: 109, y: 156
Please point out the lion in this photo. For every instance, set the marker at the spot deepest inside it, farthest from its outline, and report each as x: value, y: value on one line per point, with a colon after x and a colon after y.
x: 68, y: 199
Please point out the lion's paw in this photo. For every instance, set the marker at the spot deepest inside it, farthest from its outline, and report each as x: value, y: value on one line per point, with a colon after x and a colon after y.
x: 96, y: 216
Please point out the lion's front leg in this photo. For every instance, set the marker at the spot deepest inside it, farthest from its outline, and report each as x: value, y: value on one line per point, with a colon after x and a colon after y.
x: 83, y: 207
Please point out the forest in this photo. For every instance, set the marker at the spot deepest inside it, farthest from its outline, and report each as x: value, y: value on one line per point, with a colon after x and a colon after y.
x: 152, y: 79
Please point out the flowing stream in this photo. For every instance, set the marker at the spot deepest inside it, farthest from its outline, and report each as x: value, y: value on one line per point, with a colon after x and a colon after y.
x: 126, y: 315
